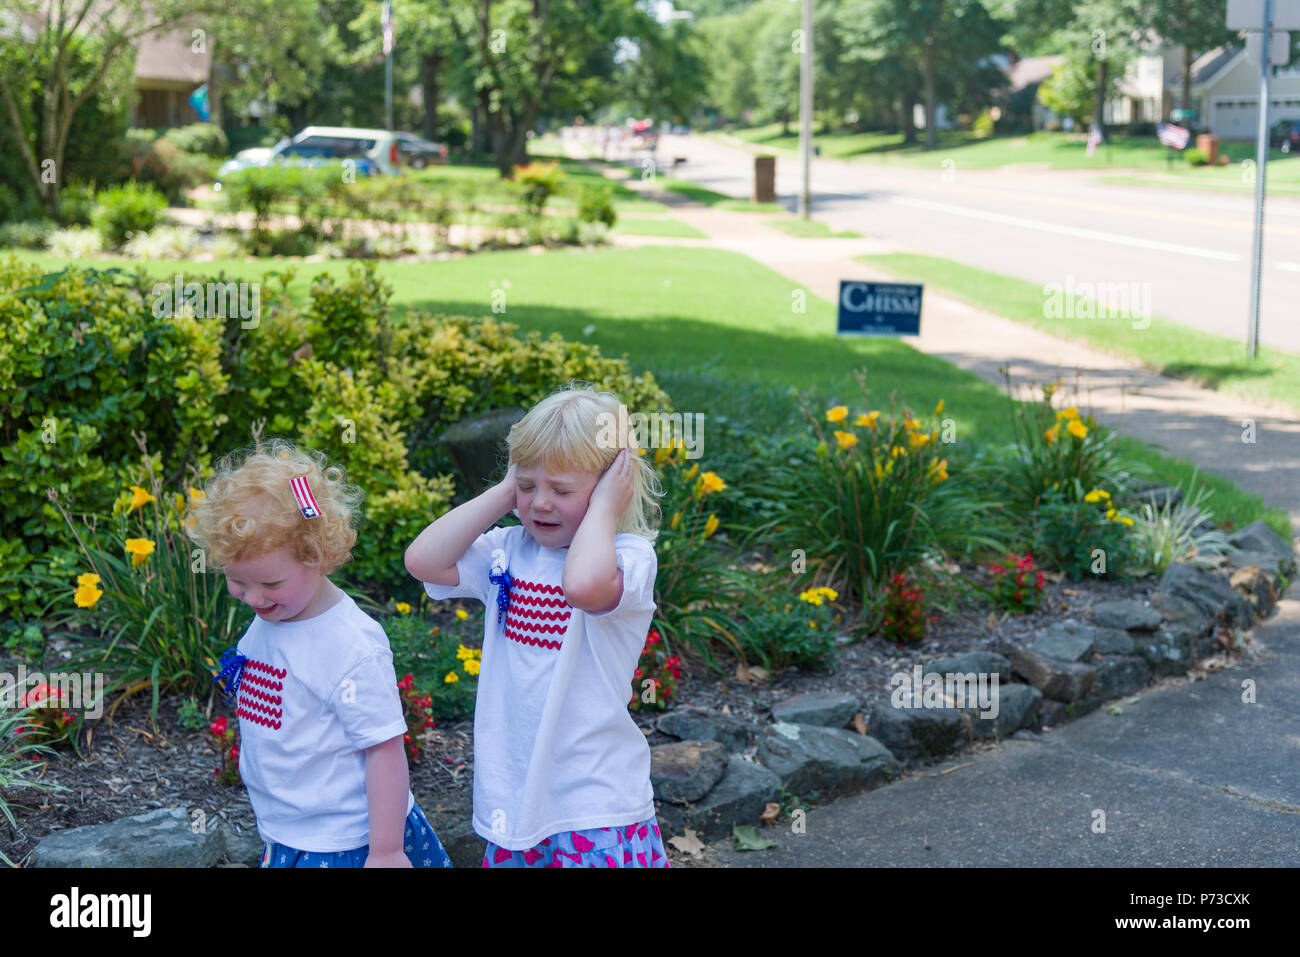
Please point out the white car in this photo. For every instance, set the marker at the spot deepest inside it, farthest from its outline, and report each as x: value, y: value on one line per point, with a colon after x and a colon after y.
x: 374, y: 151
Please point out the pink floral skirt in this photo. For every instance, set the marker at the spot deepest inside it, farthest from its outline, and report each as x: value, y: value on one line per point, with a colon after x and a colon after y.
x: 630, y: 845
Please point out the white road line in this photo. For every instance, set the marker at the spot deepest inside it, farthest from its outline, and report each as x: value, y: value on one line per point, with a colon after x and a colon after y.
x: 1067, y: 230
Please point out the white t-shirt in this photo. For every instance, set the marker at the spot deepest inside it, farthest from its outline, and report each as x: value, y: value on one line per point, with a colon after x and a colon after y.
x: 313, y: 695
x: 555, y: 748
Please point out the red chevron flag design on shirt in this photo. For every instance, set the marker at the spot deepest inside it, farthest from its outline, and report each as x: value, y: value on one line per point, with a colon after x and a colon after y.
x: 260, y: 687
x: 538, y: 614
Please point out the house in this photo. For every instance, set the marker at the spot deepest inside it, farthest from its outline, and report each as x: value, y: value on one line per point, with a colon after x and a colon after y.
x: 168, y: 68
x: 1225, y: 93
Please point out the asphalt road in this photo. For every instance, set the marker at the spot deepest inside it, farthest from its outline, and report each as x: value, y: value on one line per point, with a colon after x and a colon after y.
x: 1188, y: 252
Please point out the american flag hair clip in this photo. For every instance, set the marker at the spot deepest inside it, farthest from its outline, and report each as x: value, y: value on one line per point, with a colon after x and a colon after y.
x: 306, y: 501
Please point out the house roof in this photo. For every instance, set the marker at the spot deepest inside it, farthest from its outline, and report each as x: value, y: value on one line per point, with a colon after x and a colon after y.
x: 1207, y: 66
x: 1030, y: 70
x: 170, y: 56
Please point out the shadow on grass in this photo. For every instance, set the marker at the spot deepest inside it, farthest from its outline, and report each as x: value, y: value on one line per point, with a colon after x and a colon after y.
x: 1213, y: 374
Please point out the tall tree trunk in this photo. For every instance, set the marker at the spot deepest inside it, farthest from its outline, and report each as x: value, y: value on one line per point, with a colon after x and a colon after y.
x: 1187, y: 79
x: 909, y: 117
x: 927, y: 65
x: 1099, y: 102
x: 430, y: 65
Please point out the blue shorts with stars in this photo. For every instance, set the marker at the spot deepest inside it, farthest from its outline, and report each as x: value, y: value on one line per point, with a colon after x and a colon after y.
x: 421, y: 845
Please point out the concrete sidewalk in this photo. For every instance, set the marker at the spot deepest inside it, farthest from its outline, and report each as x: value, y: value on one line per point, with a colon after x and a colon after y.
x: 1187, y: 776
x: 1198, y: 425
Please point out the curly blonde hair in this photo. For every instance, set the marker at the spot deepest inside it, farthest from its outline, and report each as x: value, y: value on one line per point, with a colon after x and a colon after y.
x: 562, y: 433
x: 249, y: 509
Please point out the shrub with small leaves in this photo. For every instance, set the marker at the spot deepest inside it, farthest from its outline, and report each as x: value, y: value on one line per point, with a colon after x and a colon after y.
x: 904, y: 612
x: 656, y: 676
x: 126, y: 210
x: 1017, y: 584
x: 223, y: 737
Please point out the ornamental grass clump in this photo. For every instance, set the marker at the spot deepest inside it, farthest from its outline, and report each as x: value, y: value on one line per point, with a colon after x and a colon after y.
x: 1164, y: 535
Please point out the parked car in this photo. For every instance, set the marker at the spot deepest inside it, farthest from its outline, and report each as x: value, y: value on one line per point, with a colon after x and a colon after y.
x: 1285, y: 136
x: 418, y: 152
x: 373, y: 151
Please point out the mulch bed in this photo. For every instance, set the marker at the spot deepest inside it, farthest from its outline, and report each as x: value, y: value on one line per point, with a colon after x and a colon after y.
x: 131, y: 766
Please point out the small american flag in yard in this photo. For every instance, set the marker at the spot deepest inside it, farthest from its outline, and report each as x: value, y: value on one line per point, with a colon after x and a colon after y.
x: 1094, y: 140
x: 1171, y: 135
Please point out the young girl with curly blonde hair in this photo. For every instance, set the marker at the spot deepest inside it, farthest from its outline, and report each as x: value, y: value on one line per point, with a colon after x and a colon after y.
x: 320, y: 719
x: 561, y: 771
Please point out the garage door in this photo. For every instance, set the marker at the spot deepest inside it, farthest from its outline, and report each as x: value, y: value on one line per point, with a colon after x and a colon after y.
x: 1236, y: 118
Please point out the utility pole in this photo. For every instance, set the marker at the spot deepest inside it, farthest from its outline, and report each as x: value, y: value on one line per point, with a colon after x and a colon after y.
x: 805, y: 111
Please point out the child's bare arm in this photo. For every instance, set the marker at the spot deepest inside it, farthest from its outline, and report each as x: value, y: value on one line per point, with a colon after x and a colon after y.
x: 432, y: 557
x: 388, y: 781
x: 592, y: 580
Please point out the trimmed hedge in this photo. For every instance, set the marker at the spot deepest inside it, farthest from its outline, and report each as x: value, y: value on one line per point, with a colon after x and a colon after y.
x: 89, y: 357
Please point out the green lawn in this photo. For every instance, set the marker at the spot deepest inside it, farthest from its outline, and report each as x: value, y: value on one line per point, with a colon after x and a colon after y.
x: 1167, y: 347
x: 809, y: 229
x: 1053, y: 150
x: 658, y: 227
x: 715, y: 327
x: 718, y: 200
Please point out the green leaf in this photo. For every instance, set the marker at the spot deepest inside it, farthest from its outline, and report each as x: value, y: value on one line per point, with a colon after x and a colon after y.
x: 748, y: 838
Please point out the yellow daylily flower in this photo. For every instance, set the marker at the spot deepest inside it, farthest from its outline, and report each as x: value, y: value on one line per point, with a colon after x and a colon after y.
x: 640, y: 451
x: 661, y: 453
x: 837, y: 414
x: 846, y: 439
x: 677, y: 517
x: 90, y: 578
x: 1111, y: 513
x: 1077, y: 429
x: 896, y: 451
x: 1096, y: 495
x: 911, y: 425
x: 880, y: 473
x: 938, y: 409
x: 140, y: 497
x: 198, y: 496
x: 403, y: 608
x: 694, y: 468
x: 1051, y: 434
x: 710, y: 482
x: 87, y: 594
x: 139, y: 549
x: 867, y: 419
x: 917, y: 439
x: 711, y: 525
x: 1126, y: 520
x: 462, y: 614
x: 811, y: 623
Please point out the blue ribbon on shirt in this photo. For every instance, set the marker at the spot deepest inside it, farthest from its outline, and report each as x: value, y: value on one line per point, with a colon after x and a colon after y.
x: 232, y: 666
x: 502, y: 579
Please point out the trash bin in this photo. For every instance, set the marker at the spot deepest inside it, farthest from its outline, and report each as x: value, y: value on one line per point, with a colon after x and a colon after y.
x: 1208, y: 144
x: 765, y: 179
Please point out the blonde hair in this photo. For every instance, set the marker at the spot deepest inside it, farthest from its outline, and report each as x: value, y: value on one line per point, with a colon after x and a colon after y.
x: 249, y: 509
x: 562, y: 433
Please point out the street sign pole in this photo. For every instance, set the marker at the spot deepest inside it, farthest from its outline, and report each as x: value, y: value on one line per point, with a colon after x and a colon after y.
x: 1261, y: 167
x: 805, y: 112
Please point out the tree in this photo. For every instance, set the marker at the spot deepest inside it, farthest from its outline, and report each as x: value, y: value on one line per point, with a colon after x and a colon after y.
x: 1099, y: 43
x: 272, y: 52
x: 42, y: 41
x: 1195, y: 25
x: 669, y: 74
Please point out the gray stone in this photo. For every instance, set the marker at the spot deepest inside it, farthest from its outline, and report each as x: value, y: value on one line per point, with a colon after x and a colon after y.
x: 1167, y: 652
x: 1209, y: 591
x: 1181, y: 617
x: 1258, y: 537
x: 917, y: 732
x: 242, y: 846
x: 1068, y: 640
x: 697, y: 724
x: 1056, y: 678
x: 831, y: 761
x: 1119, y: 676
x: 475, y: 444
x: 1260, y: 589
x: 740, y: 797
x: 1156, y: 495
x: 1018, y: 706
x: 1267, y: 562
x: 687, y: 770
x: 972, y: 662
x: 827, y: 710
x: 158, y: 838
x: 1126, y: 615
x: 1112, y: 641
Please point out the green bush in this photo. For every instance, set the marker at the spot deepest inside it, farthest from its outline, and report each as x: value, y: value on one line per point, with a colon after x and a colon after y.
x: 430, y: 653
x: 785, y: 630
x: 77, y: 204
x: 91, y: 358
x: 203, y: 139
x: 32, y: 234
x: 125, y: 210
x: 1078, y: 538
x: 596, y: 206
x: 1197, y: 157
